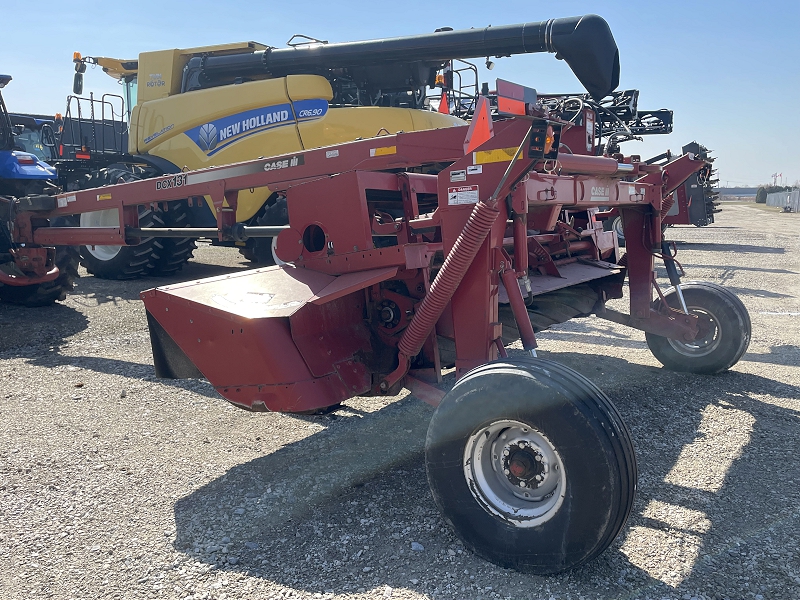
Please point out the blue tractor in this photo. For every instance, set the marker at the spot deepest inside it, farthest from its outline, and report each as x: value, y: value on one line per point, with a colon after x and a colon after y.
x: 25, y: 174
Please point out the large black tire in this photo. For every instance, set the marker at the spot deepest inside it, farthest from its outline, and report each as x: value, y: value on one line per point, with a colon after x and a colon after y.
x: 119, y: 262
x: 170, y: 254
x: 564, y: 440
x: 726, y: 324
x: 129, y: 262
x: 45, y: 294
x: 261, y: 251
x: 615, y: 225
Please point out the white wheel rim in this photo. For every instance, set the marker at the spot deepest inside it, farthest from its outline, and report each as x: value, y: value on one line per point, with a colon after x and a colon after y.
x: 618, y: 229
x: 277, y: 260
x: 515, y: 473
x: 102, y: 218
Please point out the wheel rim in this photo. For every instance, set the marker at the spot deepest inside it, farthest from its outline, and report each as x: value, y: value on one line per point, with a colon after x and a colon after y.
x: 700, y: 346
x: 515, y: 473
x: 617, y: 225
x: 101, y: 218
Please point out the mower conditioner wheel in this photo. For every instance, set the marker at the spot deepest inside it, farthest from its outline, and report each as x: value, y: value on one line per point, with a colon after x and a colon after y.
x: 724, y: 335
x: 531, y: 464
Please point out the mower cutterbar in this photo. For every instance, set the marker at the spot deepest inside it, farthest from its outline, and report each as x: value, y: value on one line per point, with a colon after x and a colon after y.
x: 411, y: 252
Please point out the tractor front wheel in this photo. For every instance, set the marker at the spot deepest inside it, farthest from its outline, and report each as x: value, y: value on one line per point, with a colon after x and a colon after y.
x: 724, y: 330
x: 531, y: 464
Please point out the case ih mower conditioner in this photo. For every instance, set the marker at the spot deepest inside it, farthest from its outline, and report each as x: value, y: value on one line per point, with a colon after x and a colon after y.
x: 410, y: 253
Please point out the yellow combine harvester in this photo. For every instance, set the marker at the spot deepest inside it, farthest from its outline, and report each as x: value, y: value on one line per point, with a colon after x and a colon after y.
x: 214, y: 105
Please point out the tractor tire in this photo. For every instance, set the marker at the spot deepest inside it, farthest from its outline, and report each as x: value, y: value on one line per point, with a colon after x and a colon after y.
x: 727, y: 330
x: 154, y: 256
x: 261, y: 251
x: 170, y: 254
x: 532, y: 465
x: 615, y: 225
x: 45, y: 294
x: 120, y: 262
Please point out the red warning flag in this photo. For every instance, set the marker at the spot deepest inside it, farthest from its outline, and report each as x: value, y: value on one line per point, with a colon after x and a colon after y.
x: 481, y: 129
x: 444, y: 105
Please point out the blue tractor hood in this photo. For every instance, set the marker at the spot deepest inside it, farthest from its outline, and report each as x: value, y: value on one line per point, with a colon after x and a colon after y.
x: 24, y: 165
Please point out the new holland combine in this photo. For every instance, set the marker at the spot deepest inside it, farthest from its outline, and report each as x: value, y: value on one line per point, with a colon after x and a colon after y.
x: 199, y: 107
x: 409, y: 253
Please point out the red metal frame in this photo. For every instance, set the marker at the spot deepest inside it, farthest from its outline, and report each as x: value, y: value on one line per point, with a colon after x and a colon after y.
x: 365, y: 314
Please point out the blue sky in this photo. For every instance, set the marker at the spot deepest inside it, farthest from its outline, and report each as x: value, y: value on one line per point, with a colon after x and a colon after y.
x: 729, y: 69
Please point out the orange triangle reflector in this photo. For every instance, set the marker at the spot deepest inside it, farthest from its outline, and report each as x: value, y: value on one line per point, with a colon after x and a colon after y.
x: 444, y: 105
x: 481, y: 129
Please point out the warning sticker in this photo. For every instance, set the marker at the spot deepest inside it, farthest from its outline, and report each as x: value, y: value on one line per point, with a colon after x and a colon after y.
x: 475, y: 170
x: 458, y: 175
x: 466, y: 194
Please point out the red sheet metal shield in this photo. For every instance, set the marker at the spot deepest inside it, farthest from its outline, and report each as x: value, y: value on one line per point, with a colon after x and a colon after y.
x: 246, y: 333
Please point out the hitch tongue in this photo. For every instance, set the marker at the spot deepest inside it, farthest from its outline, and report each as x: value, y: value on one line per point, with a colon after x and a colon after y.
x: 672, y: 272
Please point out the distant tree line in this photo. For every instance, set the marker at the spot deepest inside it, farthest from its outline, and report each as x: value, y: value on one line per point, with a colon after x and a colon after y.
x: 761, y: 194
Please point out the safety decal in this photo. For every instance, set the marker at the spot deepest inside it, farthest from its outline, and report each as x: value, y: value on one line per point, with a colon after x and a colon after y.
x: 493, y: 156
x: 384, y: 151
x: 466, y: 194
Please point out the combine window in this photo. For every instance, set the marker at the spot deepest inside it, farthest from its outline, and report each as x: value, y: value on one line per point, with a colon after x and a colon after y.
x: 131, y: 88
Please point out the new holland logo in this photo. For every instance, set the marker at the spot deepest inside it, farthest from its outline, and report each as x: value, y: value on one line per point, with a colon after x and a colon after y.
x: 207, y: 137
x: 213, y: 137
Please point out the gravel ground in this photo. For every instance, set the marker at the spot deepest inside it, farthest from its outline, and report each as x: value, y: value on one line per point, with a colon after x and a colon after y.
x: 115, y: 484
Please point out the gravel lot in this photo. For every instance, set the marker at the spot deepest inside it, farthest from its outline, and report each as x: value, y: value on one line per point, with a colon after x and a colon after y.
x: 115, y: 484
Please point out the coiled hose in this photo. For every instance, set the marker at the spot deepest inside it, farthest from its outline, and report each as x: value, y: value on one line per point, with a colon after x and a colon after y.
x: 448, y: 279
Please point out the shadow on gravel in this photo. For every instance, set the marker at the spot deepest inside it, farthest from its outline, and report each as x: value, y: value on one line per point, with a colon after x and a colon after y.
x: 785, y: 355
x: 756, y: 293
x: 718, y: 484
x: 30, y: 331
x: 337, y: 511
x: 734, y: 268
x: 739, y: 248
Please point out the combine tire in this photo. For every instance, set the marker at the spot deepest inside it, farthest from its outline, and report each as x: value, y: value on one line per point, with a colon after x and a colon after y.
x: 615, y: 225
x: 120, y: 262
x: 45, y: 294
x: 531, y: 465
x: 170, y: 254
x: 154, y: 256
x: 724, y: 336
x: 262, y: 250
